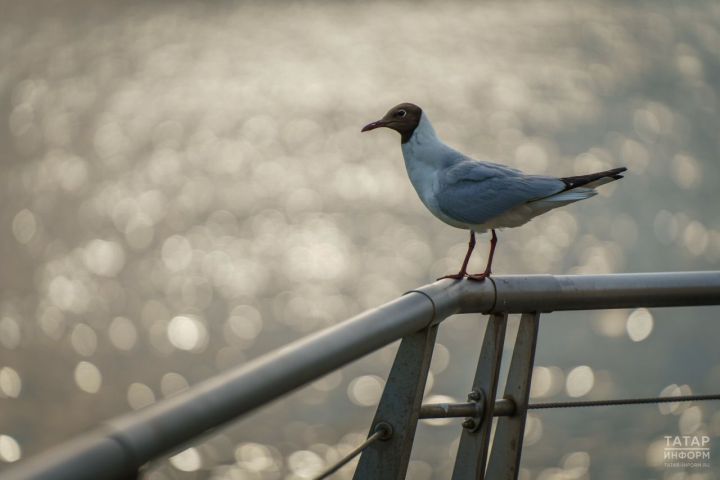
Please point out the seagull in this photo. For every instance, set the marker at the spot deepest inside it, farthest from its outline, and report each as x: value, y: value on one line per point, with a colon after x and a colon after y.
x: 474, y: 195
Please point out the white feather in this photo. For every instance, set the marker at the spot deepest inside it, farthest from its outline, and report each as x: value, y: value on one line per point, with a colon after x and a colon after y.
x: 569, y: 196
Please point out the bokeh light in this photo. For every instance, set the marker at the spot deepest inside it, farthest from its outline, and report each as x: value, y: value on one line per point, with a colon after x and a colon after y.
x: 88, y: 377
x: 365, y: 390
x: 140, y: 395
x: 10, y: 383
x: 189, y: 460
x: 580, y: 381
x: 185, y: 188
x: 639, y: 324
x: 9, y: 449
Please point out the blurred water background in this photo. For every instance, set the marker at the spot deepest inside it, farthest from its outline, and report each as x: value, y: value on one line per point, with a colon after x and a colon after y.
x: 184, y: 186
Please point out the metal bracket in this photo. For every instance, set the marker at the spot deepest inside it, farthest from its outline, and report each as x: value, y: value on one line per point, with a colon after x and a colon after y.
x: 474, y: 442
x: 473, y: 423
x: 399, y: 409
x: 504, y: 463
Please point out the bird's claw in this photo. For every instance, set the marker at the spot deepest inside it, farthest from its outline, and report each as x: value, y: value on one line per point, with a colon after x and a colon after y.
x: 476, y: 277
x: 479, y: 277
x: 454, y: 276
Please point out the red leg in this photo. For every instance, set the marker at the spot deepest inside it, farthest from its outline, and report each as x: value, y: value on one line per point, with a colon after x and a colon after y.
x: 463, y: 270
x: 488, y: 269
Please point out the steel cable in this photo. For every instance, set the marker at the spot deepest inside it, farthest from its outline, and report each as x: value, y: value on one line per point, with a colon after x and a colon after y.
x: 382, y: 432
x: 624, y: 401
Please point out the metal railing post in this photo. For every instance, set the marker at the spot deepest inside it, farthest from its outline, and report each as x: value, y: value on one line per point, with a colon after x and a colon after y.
x: 399, y: 409
x: 507, y: 446
x: 475, y: 437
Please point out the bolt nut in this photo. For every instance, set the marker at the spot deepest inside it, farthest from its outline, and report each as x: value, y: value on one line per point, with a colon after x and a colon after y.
x: 469, y: 424
x: 386, y: 429
x: 474, y: 396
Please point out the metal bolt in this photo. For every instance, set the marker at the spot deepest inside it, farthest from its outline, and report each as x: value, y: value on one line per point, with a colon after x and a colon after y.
x: 469, y: 424
x: 474, y: 396
x: 386, y: 430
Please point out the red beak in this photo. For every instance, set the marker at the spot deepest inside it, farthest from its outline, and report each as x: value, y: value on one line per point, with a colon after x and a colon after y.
x: 373, y: 126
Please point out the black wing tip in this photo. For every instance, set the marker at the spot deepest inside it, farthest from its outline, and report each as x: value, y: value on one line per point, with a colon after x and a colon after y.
x: 615, y: 172
x: 580, y: 180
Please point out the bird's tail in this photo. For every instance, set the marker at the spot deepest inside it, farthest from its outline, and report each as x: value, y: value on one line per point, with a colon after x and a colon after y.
x: 593, y: 180
x: 579, y: 188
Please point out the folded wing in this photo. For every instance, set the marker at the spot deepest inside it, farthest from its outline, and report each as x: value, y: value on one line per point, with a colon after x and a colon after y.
x: 475, y: 192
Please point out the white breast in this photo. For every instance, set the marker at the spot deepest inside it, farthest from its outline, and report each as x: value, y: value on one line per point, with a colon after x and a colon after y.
x: 424, y: 155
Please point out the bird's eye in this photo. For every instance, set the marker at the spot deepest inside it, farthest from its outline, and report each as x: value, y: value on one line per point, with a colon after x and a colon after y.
x: 400, y: 114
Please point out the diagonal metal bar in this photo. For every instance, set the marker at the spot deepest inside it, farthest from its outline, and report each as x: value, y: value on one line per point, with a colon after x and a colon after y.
x: 504, y: 460
x: 472, y: 452
x: 400, y: 408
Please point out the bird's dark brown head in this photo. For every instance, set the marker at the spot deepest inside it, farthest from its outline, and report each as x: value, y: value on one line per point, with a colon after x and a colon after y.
x: 403, y: 118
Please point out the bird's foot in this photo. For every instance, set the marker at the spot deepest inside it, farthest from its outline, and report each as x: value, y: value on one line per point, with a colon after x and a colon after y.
x: 455, y: 276
x: 479, y: 277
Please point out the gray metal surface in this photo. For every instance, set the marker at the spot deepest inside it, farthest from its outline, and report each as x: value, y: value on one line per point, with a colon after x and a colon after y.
x: 451, y: 410
x: 504, y: 407
x: 504, y: 463
x: 121, y: 446
x: 399, y: 407
x: 473, y: 448
x: 547, y: 293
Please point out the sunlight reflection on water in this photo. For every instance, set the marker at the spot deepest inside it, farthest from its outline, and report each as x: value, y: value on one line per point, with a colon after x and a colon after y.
x: 185, y: 187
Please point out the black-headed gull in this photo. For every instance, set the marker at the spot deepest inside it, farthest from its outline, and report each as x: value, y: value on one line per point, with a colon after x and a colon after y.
x: 474, y: 195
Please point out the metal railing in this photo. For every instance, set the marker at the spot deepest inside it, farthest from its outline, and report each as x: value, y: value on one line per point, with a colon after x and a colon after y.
x: 119, y: 448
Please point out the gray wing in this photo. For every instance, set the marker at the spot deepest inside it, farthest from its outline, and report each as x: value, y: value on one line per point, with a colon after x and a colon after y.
x: 474, y: 192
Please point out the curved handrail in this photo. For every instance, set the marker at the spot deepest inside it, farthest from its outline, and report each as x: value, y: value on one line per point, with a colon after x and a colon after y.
x: 118, y: 448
